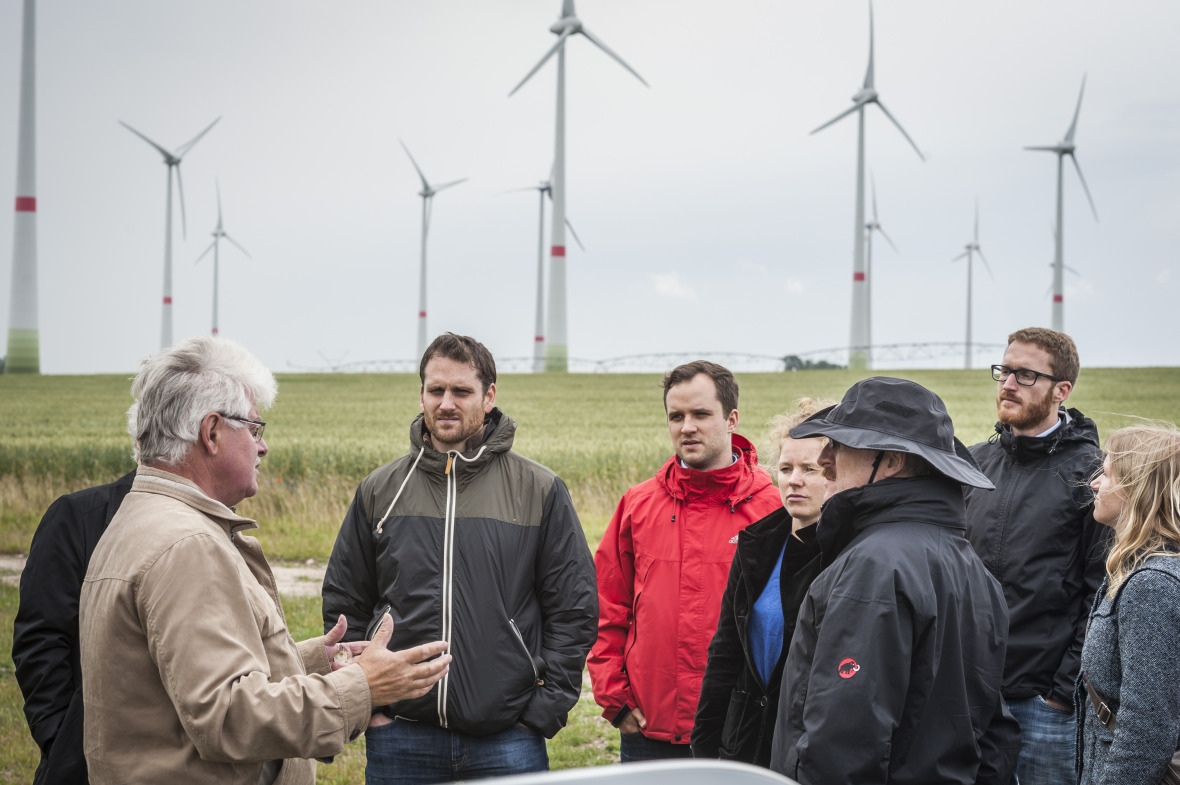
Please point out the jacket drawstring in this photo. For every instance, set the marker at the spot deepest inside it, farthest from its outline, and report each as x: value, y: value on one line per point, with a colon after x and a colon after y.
x: 389, y: 509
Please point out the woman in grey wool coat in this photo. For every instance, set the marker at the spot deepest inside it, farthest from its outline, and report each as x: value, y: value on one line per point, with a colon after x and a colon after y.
x: 1129, y: 657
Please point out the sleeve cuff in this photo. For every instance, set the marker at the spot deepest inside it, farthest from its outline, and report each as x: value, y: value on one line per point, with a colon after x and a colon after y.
x: 621, y: 715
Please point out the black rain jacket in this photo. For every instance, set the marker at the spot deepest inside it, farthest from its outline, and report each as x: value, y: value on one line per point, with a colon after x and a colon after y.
x: 736, y: 714
x: 481, y: 549
x: 893, y: 674
x: 1037, y: 535
x: 45, y: 632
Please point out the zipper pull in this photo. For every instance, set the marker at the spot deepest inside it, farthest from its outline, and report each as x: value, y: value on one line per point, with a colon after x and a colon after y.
x: 450, y: 459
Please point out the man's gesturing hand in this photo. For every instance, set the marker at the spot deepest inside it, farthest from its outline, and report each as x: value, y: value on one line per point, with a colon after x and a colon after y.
x: 400, y: 675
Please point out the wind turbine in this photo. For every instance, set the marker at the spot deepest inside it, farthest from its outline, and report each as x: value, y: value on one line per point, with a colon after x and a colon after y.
x: 1063, y: 148
x: 172, y: 161
x: 218, y: 233
x: 544, y: 189
x: 972, y: 249
x: 870, y: 227
x: 427, y: 193
x: 860, y: 337
x: 556, y: 343
x: 24, y: 342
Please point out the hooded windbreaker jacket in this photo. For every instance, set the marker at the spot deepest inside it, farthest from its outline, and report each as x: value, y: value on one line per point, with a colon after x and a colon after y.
x: 1037, y: 535
x: 188, y: 671
x: 662, y: 567
x: 481, y: 549
x: 893, y: 674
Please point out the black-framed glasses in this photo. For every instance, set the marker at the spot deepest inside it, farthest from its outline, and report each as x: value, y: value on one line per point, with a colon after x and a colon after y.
x: 256, y: 426
x: 1025, y: 377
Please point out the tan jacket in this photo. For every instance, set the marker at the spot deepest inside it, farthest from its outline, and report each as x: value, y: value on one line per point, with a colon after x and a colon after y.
x: 188, y: 671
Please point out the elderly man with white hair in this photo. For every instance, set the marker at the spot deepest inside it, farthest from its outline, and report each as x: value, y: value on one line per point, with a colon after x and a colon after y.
x: 188, y: 670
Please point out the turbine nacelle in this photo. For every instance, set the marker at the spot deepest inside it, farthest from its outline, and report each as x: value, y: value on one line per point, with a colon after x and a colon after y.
x: 865, y: 95
x: 566, y: 24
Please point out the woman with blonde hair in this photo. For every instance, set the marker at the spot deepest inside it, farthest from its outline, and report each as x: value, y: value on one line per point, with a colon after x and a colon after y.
x: 1128, y: 698
x: 775, y: 562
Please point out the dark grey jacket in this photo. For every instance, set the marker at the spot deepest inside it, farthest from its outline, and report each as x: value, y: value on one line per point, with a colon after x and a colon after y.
x: 1130, y: 659
x: 505, y: 577
x: 1037, y: 534
x: 893, y: 674
x: 45, y: 633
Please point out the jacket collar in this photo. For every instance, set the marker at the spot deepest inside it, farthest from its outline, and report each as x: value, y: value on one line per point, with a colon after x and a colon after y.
x: 1075, y: 426
x: 734, y: 484
x: 499, y: 432
x: 149, y: 479
x: 936, y: 501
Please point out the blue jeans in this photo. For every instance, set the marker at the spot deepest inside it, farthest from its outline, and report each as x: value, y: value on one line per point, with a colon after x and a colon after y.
x: 414, y: 753
x: 1048, y: 738
x: 636, y: 747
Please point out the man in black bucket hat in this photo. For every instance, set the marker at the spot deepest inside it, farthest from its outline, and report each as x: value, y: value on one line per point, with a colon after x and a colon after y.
x: 895, y: 666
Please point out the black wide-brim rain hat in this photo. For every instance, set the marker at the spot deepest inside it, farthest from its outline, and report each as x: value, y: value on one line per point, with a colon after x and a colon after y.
x: 897, y: 415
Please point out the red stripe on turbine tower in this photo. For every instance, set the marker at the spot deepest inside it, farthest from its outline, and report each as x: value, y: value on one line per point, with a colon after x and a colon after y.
x: 1058, y: 298
x: 167, y: 301
x: 557, y: 250
x: 539, y: 339
x: 26, y: 204
x: 858, y: 276
x: 421, y: 314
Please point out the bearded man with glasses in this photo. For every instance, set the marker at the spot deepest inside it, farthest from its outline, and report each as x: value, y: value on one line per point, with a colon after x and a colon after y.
x: 1037, y: 535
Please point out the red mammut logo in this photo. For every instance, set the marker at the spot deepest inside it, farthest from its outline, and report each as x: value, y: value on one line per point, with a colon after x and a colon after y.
x: 848, y: 668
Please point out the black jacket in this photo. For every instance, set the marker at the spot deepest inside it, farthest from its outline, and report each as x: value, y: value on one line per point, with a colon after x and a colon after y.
x: 736, y: 714
x: 894, y: 671
x: 1037, y: 535
x: 482, y: 549
x: 45, y: 632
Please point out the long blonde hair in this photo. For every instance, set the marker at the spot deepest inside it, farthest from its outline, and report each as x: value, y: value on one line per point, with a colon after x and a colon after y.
x: 780, y: 429
x: 1145, y: 467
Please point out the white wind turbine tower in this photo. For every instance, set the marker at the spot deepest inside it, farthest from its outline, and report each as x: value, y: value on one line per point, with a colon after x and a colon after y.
x: 24, y: 342
x: 972, y: 249
x: 1063, y: 148
x: 544, y: 189
x: 214, y: 246
x: 870, y: 227
x: 556, y: 341
x: 860, y: 337
x: 172, y: 161
x: 427, y: 193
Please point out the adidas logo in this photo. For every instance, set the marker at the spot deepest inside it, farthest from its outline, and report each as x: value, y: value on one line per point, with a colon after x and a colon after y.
x: 733, y: 540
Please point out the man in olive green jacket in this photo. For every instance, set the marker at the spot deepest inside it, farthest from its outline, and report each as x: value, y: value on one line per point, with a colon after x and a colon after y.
x: 188, y: 670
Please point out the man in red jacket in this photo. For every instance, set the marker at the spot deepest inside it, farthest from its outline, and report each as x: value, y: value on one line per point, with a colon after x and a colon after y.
x: 663, y: 563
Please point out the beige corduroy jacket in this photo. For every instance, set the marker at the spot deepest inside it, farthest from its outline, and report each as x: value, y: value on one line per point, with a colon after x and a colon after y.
x: 188, y: 671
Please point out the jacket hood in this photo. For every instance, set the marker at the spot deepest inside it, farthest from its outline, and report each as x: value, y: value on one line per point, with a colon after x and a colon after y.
x: 499, y: 432
x: 735, y: 483
x: 932, y: 500
x: 1075, y: 428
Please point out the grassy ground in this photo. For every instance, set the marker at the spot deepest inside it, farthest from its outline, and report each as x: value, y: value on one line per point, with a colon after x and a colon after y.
x: 601, y: 433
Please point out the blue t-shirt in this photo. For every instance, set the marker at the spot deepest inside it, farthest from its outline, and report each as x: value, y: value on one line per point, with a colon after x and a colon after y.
x: 766, y: 624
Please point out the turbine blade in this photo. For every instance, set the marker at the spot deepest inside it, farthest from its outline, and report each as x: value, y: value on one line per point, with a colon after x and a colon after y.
x: 960, y: 256
x: 567, y: 8
x: 205, y: 252
x: 167, y: 155
x: 425, y: 185
x: 873, y: 185
x: 180, y: 190
x: 903, y: 133
x: 1085, y: 188
x: 217, y: 184
x: 1075, y: 272
x: 448, y: 185
x: 838, y: 117
x: 869, y: 72
x: 574, y: 234
x: 184, y: 148
x: 1052, y: 149
x: 1074, y: 125
x: 977, y: 222
x: 882, y: 231
x: 597, y: 42
x: 238, y: 245
x: 560, y: 40
x: 986, y: 265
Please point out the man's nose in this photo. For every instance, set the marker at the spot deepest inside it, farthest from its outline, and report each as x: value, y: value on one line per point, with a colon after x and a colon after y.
x: 262, y: 448
x: 1010, y: 383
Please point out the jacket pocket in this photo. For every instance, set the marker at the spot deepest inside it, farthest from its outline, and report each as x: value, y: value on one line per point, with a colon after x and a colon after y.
x: 538, y: 679
x: 733, y: 734
x: 375, y: 622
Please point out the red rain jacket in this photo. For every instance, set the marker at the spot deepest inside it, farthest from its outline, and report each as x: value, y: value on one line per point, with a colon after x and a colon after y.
x: 662, y: 567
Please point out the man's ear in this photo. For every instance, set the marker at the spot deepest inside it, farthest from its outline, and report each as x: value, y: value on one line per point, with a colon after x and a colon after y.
x: 893, y: 464
x: 732, y: 421
x: 211, y: 433
x: 1061, y: 391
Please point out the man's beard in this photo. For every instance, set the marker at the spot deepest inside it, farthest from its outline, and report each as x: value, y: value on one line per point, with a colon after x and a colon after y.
x: 1030, y: 413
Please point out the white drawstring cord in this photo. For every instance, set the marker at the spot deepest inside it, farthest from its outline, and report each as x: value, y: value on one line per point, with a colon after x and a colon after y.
x: 388, y: 510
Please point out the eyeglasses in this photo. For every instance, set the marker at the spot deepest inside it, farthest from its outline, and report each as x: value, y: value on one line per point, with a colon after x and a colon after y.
x: 1024, y: 376
x: 256, y: 426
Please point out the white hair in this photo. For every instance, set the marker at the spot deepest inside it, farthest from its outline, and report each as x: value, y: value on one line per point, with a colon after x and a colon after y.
x: 177, y: 387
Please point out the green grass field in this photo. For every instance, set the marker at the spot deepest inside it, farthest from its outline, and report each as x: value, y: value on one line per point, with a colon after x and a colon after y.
x: 601, y: 433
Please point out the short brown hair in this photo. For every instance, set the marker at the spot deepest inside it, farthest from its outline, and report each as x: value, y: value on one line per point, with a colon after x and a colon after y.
x: 727, y: 386
x: 1062, y: 351
x: 461, y: 349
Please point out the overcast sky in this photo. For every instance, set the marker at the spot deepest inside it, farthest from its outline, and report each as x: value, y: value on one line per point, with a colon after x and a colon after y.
x: 712, y: 220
